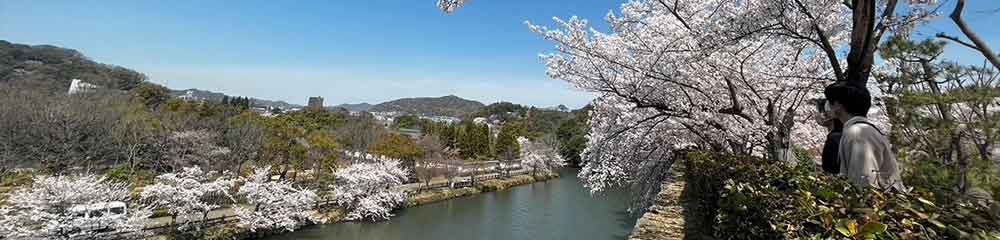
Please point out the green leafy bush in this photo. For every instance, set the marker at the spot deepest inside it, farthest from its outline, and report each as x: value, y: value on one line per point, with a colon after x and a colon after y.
x: 158, y: 213
x: 18, y: 179
x: 137, y: 178
x: 752, y: 198
x: 226, y: 232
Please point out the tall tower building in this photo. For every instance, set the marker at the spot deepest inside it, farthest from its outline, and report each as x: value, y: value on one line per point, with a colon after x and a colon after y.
x: 315, y: 103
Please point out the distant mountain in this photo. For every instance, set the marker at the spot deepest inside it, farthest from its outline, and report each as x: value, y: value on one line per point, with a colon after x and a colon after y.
x: 53, y: 68
x: 360, y: 107
x: 273, y: 103
x: 217, y: 97
x: 560, y: 108
x: 450, y: 105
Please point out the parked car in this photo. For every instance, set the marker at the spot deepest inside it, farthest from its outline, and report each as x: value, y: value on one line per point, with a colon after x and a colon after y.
x: 461, y: 183
x: 91, y: 215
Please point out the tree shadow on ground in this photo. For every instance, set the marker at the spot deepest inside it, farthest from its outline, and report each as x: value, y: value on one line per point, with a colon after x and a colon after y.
x: 698, y: 219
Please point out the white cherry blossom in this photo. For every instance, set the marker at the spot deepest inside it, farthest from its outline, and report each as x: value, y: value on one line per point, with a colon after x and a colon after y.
x: 72, y: 207
x: 274, y: 204
x: 370, y: 190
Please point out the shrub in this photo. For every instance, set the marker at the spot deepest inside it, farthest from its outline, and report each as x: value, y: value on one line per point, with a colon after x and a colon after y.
x: 752, y: 198
x: 158, y: 213
x: 226, y: 232
x: 23, y: 178
x: 119, y: 174
x: 136, y: 179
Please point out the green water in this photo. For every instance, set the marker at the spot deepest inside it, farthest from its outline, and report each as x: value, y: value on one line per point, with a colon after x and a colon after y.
x: 556, y: 209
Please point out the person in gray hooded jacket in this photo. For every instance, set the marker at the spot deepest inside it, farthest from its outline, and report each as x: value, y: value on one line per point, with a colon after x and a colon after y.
x: 865, y: 154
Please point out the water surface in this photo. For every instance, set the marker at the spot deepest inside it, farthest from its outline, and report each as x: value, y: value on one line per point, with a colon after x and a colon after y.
x: 556, y: 209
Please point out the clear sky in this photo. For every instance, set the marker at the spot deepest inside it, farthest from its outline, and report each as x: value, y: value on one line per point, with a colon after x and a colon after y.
x: 345, y: 51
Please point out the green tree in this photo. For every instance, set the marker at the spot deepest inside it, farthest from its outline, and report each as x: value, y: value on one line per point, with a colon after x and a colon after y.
x: 506, y: 146
x: 151, y: 94
x: 408, y: 121
x: 398, y: 147
x: 324, y: 151
x: 474, y: 141
x: 283, y: 149
x: 572, y: 137
x: 941, y: 112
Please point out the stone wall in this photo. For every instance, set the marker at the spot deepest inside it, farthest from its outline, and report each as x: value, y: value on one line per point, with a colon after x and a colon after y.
x: 480, y: 187
x: 672, y: 215
x: 665, y: 219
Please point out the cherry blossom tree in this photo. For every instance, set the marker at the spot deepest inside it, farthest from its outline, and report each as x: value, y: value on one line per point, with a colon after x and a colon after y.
x: 692, y: 73
x: 187, y: 195
x: 731, y: 76
x: 370, y: 190
x: 72, y: 207
x: 540, y: 156
x: 450, y: 6
x: 275, y: 204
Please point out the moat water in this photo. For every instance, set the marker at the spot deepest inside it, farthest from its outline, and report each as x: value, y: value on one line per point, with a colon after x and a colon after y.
x: 556, y: 209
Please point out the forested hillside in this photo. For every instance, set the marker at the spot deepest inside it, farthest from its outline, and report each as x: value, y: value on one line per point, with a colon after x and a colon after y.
x: 52, y: 68
x: 450, y: 105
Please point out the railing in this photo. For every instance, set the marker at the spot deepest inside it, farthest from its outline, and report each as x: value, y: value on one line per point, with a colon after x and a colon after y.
x: 474, y: 178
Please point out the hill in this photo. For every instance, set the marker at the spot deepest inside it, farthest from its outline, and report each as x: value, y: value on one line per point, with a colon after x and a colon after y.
x: 53, y: 68
x: 360, y: 107
x: 450, y: 105
x: 217, y: 97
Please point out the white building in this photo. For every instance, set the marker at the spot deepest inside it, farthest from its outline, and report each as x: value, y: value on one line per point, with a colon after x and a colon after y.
x: 188, y: 96
x: 442, y: 119
x: 79, y: 86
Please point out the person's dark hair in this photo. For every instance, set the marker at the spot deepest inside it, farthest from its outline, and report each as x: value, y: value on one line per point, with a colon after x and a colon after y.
x: 856, y: 100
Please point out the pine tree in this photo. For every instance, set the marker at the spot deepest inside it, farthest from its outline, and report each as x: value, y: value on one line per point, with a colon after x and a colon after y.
x: 466, y: 140
x: 483, y: 141
x: 506, y: 146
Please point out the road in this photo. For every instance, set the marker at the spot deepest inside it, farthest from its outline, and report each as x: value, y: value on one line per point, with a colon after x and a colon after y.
x: 162, y: 221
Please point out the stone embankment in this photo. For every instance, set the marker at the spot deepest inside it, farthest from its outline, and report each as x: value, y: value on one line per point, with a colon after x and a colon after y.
x: 670, y: 216
x: 438, y: 195
x: 665, y: 219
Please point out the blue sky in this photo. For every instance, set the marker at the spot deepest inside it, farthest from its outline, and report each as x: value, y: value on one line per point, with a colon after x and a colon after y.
x: 346, y: 51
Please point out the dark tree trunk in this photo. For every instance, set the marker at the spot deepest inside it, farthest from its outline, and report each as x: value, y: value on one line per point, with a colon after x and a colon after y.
x: 963, y: 164
x: 863, y: 42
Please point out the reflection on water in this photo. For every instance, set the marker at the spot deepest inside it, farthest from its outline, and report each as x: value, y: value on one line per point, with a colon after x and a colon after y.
x: 557, y: 209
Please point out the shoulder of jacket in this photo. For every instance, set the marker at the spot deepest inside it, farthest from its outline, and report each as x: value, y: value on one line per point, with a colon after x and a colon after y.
x: 858, y: 129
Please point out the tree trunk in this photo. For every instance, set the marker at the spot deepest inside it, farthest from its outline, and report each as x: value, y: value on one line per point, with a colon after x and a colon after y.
x: 204, y: 222
x: 891, y: 109
x: 863, y: 42
x: 963, y: 164
x: 239, y: 166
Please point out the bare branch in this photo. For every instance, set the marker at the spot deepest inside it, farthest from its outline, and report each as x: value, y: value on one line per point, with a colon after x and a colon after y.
x: 956, y: 40
x: 956, y: 16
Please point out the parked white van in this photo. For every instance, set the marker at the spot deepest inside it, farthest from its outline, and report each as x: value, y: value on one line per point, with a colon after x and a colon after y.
x: 97, y: 211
